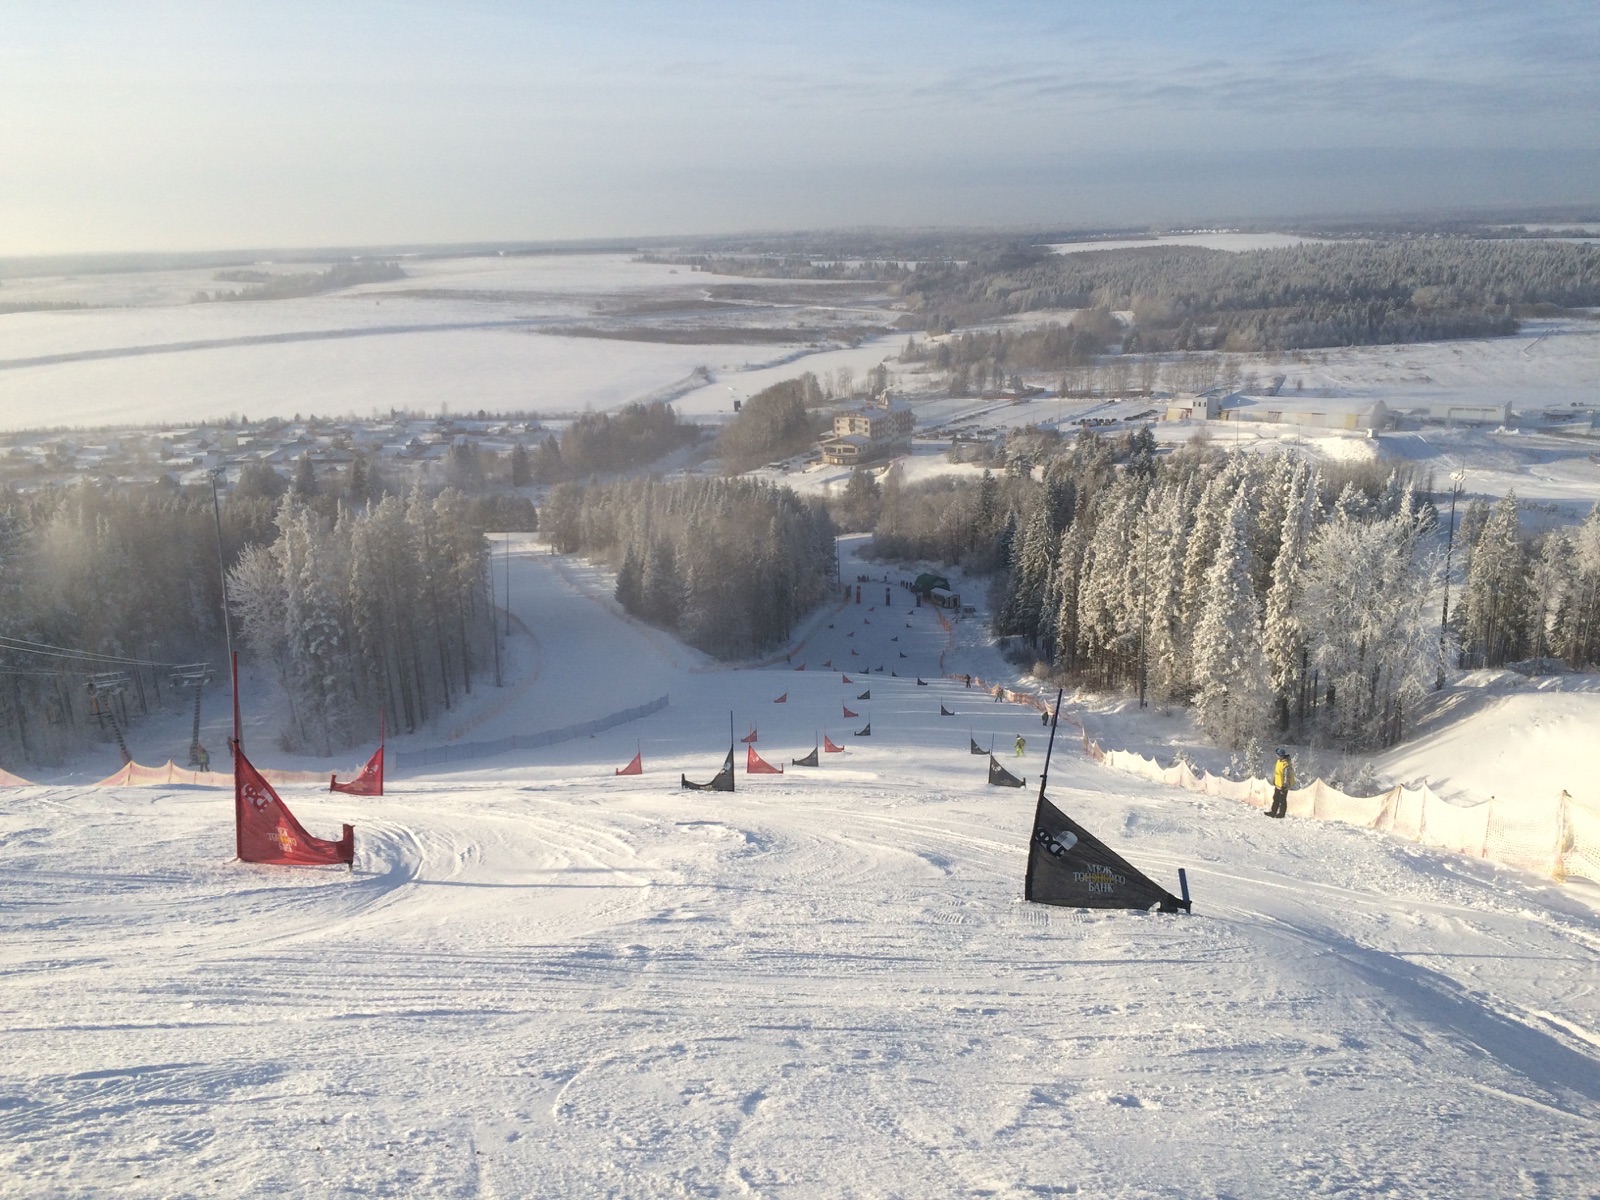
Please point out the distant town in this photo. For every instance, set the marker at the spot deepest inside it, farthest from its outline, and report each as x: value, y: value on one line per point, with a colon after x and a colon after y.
x: 408, y: 447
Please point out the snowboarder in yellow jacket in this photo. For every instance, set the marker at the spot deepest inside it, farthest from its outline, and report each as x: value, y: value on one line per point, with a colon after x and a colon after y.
x: 1282, y: 781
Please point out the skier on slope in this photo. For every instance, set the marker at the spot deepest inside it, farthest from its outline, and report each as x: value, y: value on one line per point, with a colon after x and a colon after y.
x: 1282, y: 781
x: 1022, y: 745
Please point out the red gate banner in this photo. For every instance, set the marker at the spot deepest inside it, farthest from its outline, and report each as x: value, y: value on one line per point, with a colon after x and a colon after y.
x: 267, y: 831
x: 368, y: 782
x: 754, y: 764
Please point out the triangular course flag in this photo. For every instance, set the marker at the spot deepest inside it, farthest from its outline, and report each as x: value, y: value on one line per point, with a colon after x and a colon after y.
x: 829, y: 748
x: 976, y: 749
x: 635, y: 766
x: 809, y: 760
x: 865, y: 730
x: 846, y: 679
x: 945, y: 712
x: 749, y: 738
x: 268, y: 831
x: 920, y: 683
x: 1000, y: 777
x: 866, y: 695
x: 1069, y: 866
x: 847, y: 711
x: 721, y: 782
x: 754, y: 764
x: 783, y: 699
x: 369, y: 780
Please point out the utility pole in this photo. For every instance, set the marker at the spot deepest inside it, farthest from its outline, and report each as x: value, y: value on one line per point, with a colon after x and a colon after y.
x: 1456, y: 480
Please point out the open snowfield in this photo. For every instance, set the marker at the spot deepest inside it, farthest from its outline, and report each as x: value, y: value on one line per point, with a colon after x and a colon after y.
x: 459, y: 333
x: 1219, y: 240
x: 542, y: 979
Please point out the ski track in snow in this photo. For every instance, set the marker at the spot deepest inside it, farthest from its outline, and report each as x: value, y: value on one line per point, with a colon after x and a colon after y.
x: 542, y: 979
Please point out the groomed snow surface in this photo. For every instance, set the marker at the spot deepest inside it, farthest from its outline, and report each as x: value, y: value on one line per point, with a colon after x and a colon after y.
x: 542, y: 979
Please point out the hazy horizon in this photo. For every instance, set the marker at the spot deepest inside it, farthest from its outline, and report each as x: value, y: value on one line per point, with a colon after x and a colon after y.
x: 182, y: 127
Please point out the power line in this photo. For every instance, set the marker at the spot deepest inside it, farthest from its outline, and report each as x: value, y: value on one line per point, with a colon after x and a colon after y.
x: 23, y: 646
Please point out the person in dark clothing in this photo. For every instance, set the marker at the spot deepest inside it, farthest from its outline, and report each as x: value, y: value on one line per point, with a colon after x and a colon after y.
x: 1044, y: 718
x: 1282, y: 781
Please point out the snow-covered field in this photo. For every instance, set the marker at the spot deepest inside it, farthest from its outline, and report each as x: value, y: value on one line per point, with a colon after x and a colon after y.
x: 542, y: 979
x: 1219, y: 240
x: 457, y: 333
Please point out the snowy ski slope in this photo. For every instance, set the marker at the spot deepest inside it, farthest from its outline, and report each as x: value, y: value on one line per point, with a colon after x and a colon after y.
x: 545, y: 980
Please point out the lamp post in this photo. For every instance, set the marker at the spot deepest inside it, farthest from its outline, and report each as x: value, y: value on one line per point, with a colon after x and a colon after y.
x: 1456, y: 480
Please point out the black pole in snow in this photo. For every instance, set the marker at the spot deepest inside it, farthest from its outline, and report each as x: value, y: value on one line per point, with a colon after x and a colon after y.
x: 1050, y: 748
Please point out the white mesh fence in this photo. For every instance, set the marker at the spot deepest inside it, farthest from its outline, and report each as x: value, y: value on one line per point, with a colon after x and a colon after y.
x: 1555, y: 836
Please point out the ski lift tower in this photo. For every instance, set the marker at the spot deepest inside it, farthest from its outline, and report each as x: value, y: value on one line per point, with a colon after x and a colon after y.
x: 106, y: 692
x: 196, y: 676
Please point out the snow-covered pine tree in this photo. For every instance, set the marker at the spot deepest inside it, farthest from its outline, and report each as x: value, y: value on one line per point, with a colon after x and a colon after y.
x: 1070, y: 553
x: 1373, y: 643
x: 1233, y: 697
x: 1578, y: 619
x: 1283, y: 634
x: 1164, y: 530
x: 1494, y: 616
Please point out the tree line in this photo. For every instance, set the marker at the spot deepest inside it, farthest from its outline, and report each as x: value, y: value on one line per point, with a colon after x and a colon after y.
x: 730, y: 565
x: 635, y: 435
x: 96, y: 578
x: 388, y: 606
x: 264, y: 285
x: 1312, y: 295
x: 1527, y: 597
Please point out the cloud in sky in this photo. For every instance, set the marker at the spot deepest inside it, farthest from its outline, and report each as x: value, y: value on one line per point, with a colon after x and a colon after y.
x: 187, y: 124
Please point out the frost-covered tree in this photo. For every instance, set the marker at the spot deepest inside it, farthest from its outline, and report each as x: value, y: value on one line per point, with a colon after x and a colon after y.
x: 1233, y: 696
x: 1494, y: 614
x: 1283, y: 633
x: 1364, y: 608
x: 1577, y: 623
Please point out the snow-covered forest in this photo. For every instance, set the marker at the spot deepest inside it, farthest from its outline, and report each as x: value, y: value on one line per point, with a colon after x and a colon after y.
x: 1276, y: 598
x: 731, y: 565
x: 355, y: 598
x: 384, y: 607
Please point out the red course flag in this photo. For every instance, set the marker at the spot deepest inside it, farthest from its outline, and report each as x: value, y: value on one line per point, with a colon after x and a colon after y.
x: 827, y: 744
x: 846, y: 679
x: 783, y: 699
x: 754, y: 764
x: 267, y: 830
x: 848, y: 713
x: 634, y: 767
x: 749, y: 737
x: 368, y: 782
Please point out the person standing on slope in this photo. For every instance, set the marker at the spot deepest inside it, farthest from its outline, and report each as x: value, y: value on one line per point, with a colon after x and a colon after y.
x: 1282, y: 781
x: 1022, y: 745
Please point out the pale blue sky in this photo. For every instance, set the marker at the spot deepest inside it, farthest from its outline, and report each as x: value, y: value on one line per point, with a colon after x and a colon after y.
x: 192, y: 125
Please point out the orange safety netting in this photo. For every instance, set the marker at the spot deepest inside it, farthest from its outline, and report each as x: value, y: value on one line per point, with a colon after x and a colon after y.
x: 135, y: 775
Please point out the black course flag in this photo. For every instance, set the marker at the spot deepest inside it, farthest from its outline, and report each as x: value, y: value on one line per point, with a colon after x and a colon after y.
x: 722, y: 781
x: 1069, y: 866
